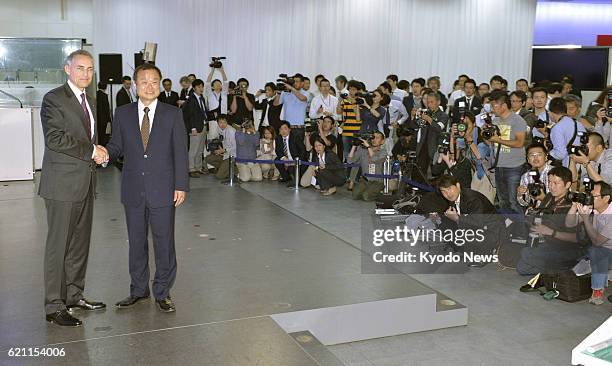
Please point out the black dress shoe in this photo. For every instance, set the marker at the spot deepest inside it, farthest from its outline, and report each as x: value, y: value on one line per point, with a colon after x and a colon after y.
x: 130, y: 301
x: 85, y: 304
x: 166, y: 305
x: 64, y: 319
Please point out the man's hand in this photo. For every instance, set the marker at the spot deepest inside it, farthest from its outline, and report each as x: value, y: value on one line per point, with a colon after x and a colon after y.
x: 320, y: 110
x: 365, y: 143
x: 101, y: 155
x: 542, y: 229
x: 452, y: 214
x: 220, y: 151
x: 583, y: 210
x: 601, y: 113
x: 179, y: 197
x: 321, y: 166
x: 580, y: 158
x: 425, y: 117
x: 521, y: 190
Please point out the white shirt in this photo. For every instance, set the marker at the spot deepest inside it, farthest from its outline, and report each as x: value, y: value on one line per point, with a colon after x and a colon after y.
x: 286, y: 141
x: 141, y: 113
x: 329, y: 104
x: 168, y: 93
x: 400, y: 93
x: 77, y: 93
x: 458, y: 204
x: 322, y: 158
x: 265, y: 121
x: 214, y: 97
x: 456, y: 95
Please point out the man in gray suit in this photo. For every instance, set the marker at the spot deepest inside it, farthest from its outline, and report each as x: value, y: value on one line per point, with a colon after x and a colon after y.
x: 67, y: 184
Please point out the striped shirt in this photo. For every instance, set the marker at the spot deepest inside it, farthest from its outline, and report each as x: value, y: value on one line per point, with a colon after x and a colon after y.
x: 350, y: 124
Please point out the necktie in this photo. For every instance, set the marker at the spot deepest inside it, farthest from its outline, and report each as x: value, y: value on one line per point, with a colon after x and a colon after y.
x: 202, y: 103
x: 285, y: 147
x: 167, y: 94
x: 144, y: 129
x: 469, y: 103
x: 87, y: 118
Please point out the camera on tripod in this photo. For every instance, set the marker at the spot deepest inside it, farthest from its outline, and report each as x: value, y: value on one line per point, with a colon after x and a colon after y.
x: 537, y: 187
x: 583, y: 147
x: 586, y: 198
x: 284, y: 80
x: 357, y: 137
x: 216, y: 62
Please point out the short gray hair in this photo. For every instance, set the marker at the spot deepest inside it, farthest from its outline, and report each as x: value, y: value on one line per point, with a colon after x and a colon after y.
x: 571, y: 98
x: 73, y: 54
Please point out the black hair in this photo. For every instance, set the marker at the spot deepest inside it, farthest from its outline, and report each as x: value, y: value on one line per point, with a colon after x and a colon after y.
x: 519, y: 94
x: 386, y: 100
x: 194, y: 75
x: 144, y: 67
x: 555, y: 88
x: 561, y: 172
x: 419, y: 81
x: 392, y: 77
x: 496, y: 78
x: 319, y: 139
x: 537, y: 145
x: 285, y: 123
x: 126, y: 78
x: 471, y: 81
x: 166, y: 79
x: 223, y: 116
x: 353, y: 84
x: 305, y: 78
x: 215, y: 81
x: 102, y: 85
x: 604, y: 189
x: 539, y: 89
x: 324, y: 79
x: 341, y: 78
x: 241, y: 80
x: 463, y: 76
x: 386, y: 85
x: 403, y: 84
x: 319, y: 76
x: 599, y: 140
x: 557, y: 105
x: 197, y: 82
x: 447, y: 180
x: 500, y: 96
x: 271, y: 85
x: 487, y: 84
x: 525, y: 80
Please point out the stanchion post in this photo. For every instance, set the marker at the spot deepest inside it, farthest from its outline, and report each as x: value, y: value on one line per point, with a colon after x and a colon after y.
x: 386, y: 172
x: 296, y: 177
x: 400, y: 186
x: 231, y: 171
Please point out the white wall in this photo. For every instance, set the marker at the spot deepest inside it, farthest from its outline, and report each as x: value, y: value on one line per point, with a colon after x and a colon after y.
x: 31, y: 18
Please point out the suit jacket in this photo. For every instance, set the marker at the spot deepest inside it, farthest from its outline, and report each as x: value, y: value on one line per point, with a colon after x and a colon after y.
x: 430, y: 133
x: 476, y: 210
x: 332, y: 162
x: 67, y: 168
x: 475, y: 107
x: 174, y: 97
x: 150, y: 176
x: 196, y: 116
x: 103, y: 115
x: 296, y: 147
x: 122, y: 97
x: 273, y: 115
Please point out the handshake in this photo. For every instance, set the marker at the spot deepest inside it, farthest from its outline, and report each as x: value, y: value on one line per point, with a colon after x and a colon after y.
x: 101, y: 155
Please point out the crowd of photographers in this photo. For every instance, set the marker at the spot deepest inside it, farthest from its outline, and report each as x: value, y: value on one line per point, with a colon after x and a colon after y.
x: 528, y: 159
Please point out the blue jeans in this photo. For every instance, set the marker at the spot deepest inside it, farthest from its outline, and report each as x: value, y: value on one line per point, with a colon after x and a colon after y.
x: 507, y: 181
x: 601, y: 262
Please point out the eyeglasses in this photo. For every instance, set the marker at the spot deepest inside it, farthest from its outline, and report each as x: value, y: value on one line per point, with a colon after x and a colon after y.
x: 82, y: 69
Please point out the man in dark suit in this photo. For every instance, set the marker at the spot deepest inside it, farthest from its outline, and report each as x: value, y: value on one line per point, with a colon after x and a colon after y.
x: 124, y: 95
x: 270, y: 113
x: 471, y: 101
x: 470, y: 209
x: 151, y: 138
x: 168, y: 96
x: 103, y: 113
x: 289, y: 147
x: 196, y: 126
x: 67, y: 183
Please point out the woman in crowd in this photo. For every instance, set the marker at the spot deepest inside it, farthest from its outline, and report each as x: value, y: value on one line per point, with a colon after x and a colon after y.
x: 247, y: 142
x: 370, y: 115
x: 267, y: 151
x: 329, y: 174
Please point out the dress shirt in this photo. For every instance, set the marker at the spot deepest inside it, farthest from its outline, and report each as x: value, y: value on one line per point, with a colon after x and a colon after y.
x: 141, y: 113
x: 329, y: 104
x: 77, y: 93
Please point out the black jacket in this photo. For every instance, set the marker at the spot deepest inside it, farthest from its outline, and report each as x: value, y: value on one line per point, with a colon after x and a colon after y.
x: 273, y: 115
x: 430, y: 133
x: 296, y: 147
x: 196, y: 116
x: 476, y: 211
x: 123, y: 98
x: 103, y: 115
x: 475, y: 107
x: 174, y: 97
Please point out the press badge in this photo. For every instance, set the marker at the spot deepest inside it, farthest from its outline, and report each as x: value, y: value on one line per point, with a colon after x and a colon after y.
x: 371, y: 168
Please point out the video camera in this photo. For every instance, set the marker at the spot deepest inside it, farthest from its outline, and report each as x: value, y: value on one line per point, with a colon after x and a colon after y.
x: 284, y: 80
x: 586, y: 198
x: 312, y: 125
x: 357, y: 137
x: 364, y: 97
x: 216, y: 62
x: 537, y: 187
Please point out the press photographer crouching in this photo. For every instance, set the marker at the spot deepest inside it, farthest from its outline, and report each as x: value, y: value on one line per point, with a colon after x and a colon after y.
x: 329, y: 173
x: 469, y: 209
x: 289, y: 146
x: 597, y: 222
x: 592, y: 159
x: 371, y: 155
x: 553, y: 246
x: 404, y: 151
x: 534, y: 183
x: 221, y: 145
x: 322, y: 128
x: 457, y: 154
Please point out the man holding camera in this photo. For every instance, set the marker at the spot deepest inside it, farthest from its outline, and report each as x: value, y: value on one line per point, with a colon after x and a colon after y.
x: 324, y: 104
x: 595, y: 162
x: 270, y: 113
x: 597, y: 222
x: 507, y: 135
x: 294, y: 100
x: 534, y: 183
x: 565, y: 133
x: 216, y: 92
x: 222, y: 145
x: 371, y: 156
x: 241, y: 103
x: 557, y: 250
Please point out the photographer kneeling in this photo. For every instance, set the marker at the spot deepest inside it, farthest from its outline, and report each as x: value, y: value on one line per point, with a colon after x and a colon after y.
x: 596, y: 163
x: 534, y: 183
x: 371, y: 156
x: 557, y: 249
x: 247, y: 142
x: 329, y: 174
x: 597, y: 222
x: 222, y: 145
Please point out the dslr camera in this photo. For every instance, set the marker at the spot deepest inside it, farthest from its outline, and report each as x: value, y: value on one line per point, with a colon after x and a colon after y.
x: 583, y: 147
x: 444, y: 143
x: 215, y: 144
x: 284, y: 80
x: 586, y: 198
x: 537, y: 187
x: 216, y: 62
x: 488, y: 129
x: 312, y: 125
x: 540, y: 123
